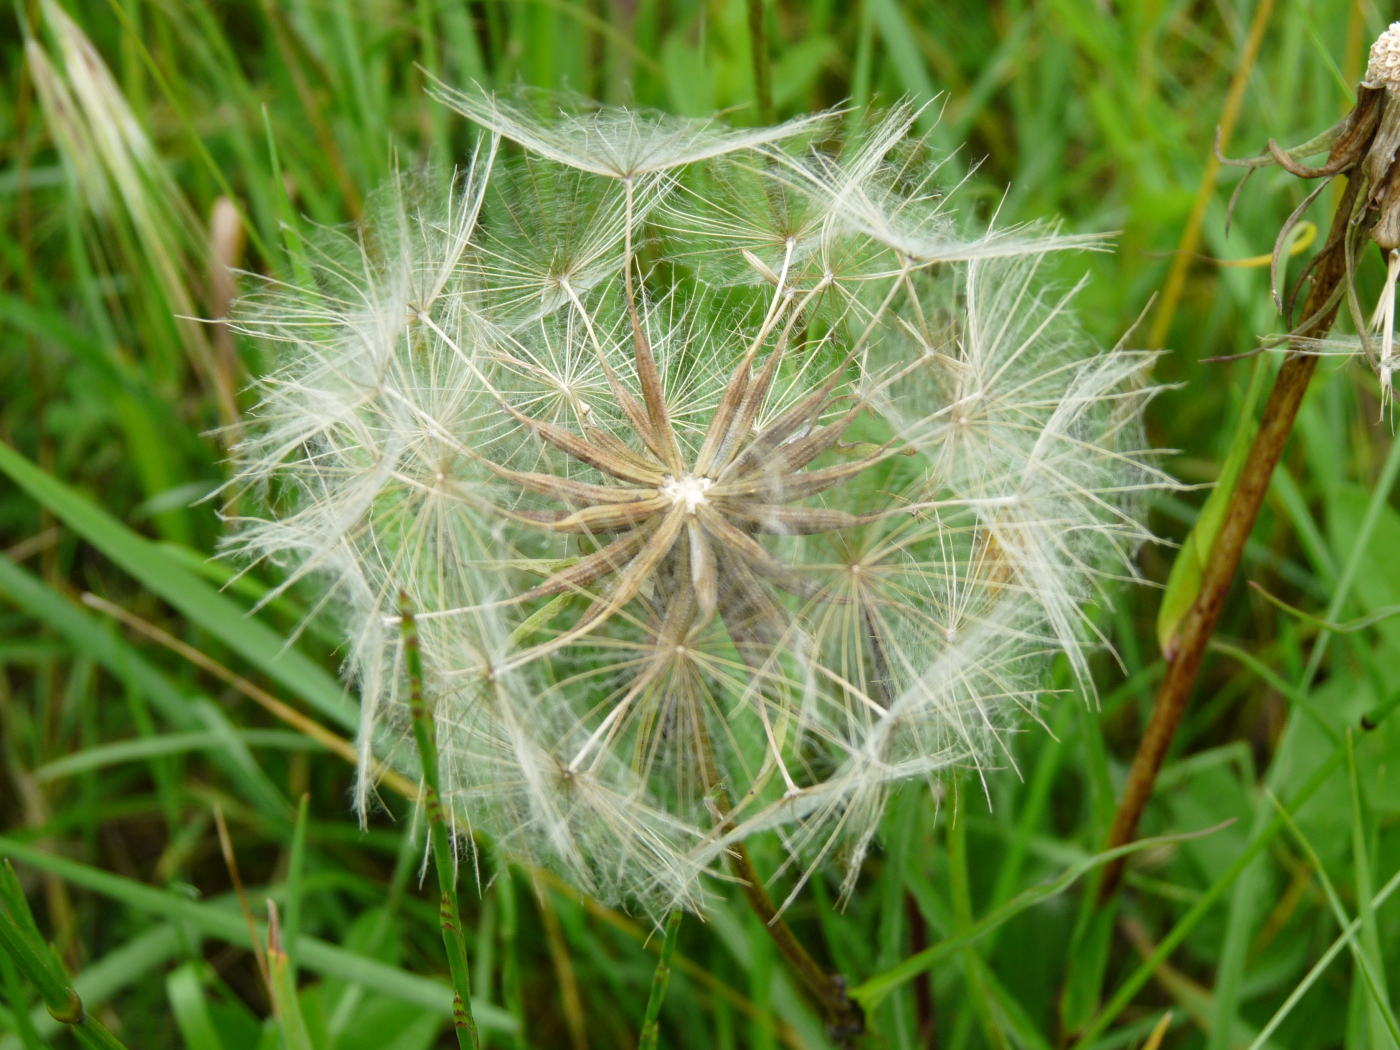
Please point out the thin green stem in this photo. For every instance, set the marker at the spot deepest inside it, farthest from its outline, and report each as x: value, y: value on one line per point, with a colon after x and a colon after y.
x: 960, y: 890
x: 453, y: 937
x: 651, y: 1025
x: 19, y: 939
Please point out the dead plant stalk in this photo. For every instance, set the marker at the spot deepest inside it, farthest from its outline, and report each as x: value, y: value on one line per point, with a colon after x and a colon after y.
x: 1240, y: 515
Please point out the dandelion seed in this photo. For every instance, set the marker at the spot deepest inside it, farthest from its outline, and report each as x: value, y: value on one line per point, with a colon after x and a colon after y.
x: 608, y: 141
x: 693, y: 557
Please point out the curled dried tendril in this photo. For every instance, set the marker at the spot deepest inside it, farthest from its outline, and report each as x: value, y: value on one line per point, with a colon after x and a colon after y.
x: 1362, y: 147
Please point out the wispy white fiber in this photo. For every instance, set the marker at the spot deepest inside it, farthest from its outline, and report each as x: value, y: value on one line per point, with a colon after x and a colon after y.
x: 733, y: 482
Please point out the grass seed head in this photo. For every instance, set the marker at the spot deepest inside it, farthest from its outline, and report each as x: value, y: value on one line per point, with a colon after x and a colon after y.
x: 734, y: 481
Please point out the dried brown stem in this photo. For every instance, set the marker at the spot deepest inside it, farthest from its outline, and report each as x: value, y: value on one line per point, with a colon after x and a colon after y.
x: 1240, y: 515
x: 844, y: 1016
x: 845, y: 1019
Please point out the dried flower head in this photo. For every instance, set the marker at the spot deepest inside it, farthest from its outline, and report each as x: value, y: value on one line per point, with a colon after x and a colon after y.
x: 1383, y: 65
x: 733, y: 481
x: 1362, y: 147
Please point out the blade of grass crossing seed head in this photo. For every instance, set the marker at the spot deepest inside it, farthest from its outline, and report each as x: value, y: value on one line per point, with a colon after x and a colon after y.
x: 185, y: 993
x: 1032, y: 806
x: 960, y: 891
x: 1093, y: 930
x: 502, y: 885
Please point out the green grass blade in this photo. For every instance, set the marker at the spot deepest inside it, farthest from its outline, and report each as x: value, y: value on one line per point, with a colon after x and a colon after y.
x: 1011, y: 1014
x: 143, y: 748
x: 227, y: 925
x: 1385, y: 1034
x: 1379, y: 502
x: 41, y: 964
x: 116, y: 970
x: 188, y: 125
x: 1184, y: 583
x: 900, y: 44
x: 1344, y: 939
x: 296, y: 865
x: 283, y: 978
x: 127, y: 665
x: 871, y: 992
x: 1383, y: 1027
x: 26, y: 1034
x: 203, y: 605
x: 1033, y: 808
x: 651, y: 1022
x: 1260, y: 838
x: 444, y: 858
x: 185, y: 992
x: 960, y: 893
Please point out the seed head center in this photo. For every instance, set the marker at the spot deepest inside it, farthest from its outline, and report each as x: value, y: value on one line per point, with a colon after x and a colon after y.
x: 689, y: 490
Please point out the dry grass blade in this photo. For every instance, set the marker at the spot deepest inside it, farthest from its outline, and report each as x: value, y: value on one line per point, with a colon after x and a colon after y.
x: 231, y: 863
x: 290, y: 715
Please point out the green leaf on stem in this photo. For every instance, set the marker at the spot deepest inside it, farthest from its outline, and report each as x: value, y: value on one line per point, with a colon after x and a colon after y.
x: 1184, y: 583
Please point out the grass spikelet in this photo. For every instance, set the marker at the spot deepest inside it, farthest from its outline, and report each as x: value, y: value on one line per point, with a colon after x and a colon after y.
x: 146, y: 225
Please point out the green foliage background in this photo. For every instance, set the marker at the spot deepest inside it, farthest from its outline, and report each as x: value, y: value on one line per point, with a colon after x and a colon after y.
x: 116, y: 750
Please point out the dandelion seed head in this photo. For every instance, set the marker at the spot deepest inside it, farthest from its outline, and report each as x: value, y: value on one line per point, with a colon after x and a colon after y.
x: 741, y: 542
